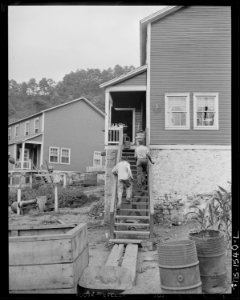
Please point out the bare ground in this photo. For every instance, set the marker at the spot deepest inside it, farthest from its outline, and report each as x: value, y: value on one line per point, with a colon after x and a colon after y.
x: 148, y: 277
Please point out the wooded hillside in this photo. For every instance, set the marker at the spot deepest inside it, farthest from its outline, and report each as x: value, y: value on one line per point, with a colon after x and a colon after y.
x: 30, y: 97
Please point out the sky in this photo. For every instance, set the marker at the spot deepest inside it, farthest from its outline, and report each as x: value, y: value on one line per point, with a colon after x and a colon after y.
x: 52, y: 41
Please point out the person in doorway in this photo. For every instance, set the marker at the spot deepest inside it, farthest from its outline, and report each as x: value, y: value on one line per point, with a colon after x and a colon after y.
x: 123, y: 171
x: 142, y: 155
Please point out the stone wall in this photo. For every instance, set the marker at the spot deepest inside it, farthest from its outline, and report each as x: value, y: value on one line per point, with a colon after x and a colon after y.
x: 111, y: 157
x: 180, y: 176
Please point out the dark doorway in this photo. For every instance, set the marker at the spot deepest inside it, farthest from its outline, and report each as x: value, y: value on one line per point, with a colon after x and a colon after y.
x: 125, y: 117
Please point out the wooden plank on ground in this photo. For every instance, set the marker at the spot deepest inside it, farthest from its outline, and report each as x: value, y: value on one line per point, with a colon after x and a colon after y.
x: 125, y: 241
x: 130, y: 260
x: 115, y: 255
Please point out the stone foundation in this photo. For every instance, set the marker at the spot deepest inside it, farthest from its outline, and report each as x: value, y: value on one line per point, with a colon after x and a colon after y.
x: 182, y: 176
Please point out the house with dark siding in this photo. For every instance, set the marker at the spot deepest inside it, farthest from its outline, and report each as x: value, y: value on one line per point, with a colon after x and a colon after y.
x: 179, y: 98
x: 63, y: 137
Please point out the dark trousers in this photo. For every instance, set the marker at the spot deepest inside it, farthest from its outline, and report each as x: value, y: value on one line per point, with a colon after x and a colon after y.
x: 141, y: 170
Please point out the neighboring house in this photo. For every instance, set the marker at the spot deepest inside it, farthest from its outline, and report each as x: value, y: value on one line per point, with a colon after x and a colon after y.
x: 64, y: 136
x: 180, y: 97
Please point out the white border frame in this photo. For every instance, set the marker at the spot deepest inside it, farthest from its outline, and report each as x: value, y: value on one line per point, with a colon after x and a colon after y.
x: 25, y: 128
x: 133, y: 119
x: 207, y: 127
x: 187, y: 126
x: 49, y: 152
x: 60, y: 156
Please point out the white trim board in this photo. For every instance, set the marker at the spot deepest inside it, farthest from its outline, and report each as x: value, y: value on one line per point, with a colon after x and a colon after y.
x: 126, y: 88
x: 193, y: 147
x: 148, y: 83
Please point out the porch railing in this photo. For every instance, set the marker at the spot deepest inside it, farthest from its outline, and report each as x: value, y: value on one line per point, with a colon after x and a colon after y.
x: 26, y: 165
x: 115, y: 133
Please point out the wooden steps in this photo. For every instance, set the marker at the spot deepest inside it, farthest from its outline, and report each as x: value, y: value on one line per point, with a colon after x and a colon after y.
x: 125, y: 241
x: 137, y: 211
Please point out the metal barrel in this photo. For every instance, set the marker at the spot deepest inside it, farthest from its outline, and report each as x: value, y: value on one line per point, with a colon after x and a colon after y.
x: 179, y: 268
x: 211, y: 251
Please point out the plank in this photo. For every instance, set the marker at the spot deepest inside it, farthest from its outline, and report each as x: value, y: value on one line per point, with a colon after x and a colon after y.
x: 79, y: 239
x: 125, y: 241
x: 80, y: 263
x: 130, y: 260
x: 39, y: 252
x: 132, y: 224
x: 131, y: 232
x: 132, y: 217
x: 44, y: 291
x: 115, y: 255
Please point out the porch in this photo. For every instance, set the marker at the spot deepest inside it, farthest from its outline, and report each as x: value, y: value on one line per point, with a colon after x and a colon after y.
x: 126, y: 114
x: 28, y: 156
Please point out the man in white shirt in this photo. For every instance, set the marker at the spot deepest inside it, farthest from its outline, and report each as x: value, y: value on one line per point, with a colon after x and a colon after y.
x: 142, y: 155
x: 125, y: 178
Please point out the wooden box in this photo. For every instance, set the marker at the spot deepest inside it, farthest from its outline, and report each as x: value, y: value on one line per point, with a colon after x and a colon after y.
x: 47, y: 259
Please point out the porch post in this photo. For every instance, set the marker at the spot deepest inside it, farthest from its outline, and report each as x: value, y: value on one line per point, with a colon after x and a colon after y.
x: 22, y: 158
x: 107, y: 102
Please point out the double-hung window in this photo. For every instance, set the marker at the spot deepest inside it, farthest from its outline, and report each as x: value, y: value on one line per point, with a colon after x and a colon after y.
x: 177, y: 111
x: 27, y: 128
x: 36, y: 125
x: 65, y: 156
x: 205, y: 110
x: 9, y: 133
x: 54, y: 155
x: 16, y: 131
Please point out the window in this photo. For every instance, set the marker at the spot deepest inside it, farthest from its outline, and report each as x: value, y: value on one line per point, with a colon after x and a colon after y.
x: 205, y: 110
x: 16, y: 130
x: 97, y: 159
x: 27, y: 128
x: 65, y: 156
x: 36, y: 125
x: 9, y: 133
x: 54, y: 155
x: 177, y: 111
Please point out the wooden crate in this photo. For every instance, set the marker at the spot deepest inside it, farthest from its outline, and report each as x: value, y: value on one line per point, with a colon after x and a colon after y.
x: 47, y: 259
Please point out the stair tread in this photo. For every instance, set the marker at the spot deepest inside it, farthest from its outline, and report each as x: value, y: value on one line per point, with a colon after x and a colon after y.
x: 132, y: 224
x: 131, y: 232
x: 140, y: 203
x: 131, y: 217
x: 133, y: 209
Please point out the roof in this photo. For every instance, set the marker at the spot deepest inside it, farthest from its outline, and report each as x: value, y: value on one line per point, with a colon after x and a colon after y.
x: 149, y: 19
x: 60, y: 105
x: 123, y: 77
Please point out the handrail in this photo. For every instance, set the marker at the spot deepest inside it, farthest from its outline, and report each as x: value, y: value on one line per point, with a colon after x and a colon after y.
x: 114, y: 188
x: 150, y: 193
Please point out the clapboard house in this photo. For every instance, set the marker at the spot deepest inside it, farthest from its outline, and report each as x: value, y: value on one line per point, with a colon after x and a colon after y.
x: 179, y: 99
x: 63, y: 137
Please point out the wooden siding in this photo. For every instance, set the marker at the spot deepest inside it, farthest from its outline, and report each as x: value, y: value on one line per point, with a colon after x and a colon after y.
x: 191, y: 52
x: 140, y: 79
x: 76, y: 126
x: 22, y: 128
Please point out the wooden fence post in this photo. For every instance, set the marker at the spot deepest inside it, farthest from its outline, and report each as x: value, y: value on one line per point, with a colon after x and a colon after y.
x: 64, y: 180
x: 18, y: 201
x: 56, y: 198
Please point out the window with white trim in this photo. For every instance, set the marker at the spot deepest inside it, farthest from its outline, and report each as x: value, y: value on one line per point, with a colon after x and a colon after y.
x: 97, y: 159
x: 36, y: 125
x: 16, y: 130
x: 27, y: 128
x: 54, y: 155
x: 9, y: 133
x: 177, y: 111
x: 65, y: 156
x: 205, y: 110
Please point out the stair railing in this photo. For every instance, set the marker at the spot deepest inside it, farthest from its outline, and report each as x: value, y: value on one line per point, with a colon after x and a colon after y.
x: 150, y: 192
x: 114, y: 187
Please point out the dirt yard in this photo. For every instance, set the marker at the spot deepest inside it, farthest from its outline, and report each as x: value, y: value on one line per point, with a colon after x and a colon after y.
x: 148, y: 278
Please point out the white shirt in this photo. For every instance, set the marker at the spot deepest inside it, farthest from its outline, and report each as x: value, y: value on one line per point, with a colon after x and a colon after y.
x: 123, y: 170
x: 141, y: 151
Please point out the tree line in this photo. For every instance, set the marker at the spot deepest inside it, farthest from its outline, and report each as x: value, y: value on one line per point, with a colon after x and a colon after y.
x: 30, y: 97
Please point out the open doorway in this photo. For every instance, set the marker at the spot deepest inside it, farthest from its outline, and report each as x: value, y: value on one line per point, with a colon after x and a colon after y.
x: 125, y: 116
